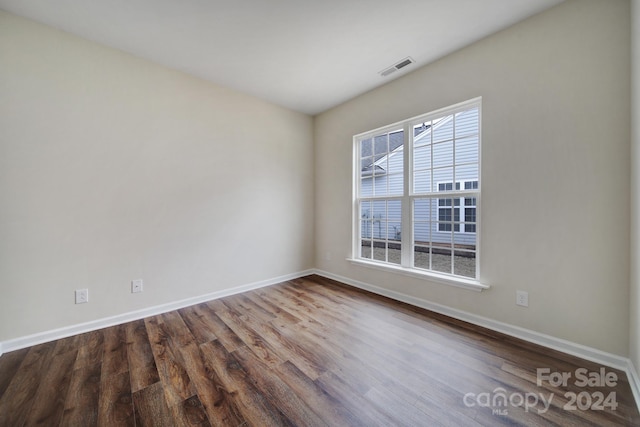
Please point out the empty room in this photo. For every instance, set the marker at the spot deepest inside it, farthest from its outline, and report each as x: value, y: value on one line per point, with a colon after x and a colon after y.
x: 331, y: 213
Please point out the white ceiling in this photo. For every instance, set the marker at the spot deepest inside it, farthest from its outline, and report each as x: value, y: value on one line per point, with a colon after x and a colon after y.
x: 307, y: 55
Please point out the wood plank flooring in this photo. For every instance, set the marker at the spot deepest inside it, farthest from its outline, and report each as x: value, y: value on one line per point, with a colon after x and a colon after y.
x: 308, y: 352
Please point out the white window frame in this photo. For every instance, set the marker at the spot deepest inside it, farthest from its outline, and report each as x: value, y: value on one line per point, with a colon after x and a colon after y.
x: 406, y: 266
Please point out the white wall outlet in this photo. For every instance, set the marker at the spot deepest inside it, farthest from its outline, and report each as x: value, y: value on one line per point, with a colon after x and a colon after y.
x: 136, y: 286
x: 82, y: 296
x: 522, y: 298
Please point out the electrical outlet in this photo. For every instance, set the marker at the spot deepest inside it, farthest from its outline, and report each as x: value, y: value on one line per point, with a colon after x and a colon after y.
x: 522, y: 298
x: 82, y: 296
x: 136, y: 286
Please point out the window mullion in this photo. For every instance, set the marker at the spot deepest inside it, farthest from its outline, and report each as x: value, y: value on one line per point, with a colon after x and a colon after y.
x: 356, y: 193
x: 406, y: 239
x: 453, y: 201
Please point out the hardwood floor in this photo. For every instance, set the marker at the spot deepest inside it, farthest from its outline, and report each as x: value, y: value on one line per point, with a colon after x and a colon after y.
x: 309, y: 352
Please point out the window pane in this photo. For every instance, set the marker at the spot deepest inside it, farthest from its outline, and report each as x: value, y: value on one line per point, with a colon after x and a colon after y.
x: 396, y: 151
x: 443, y: 154
x: 464, y: 238
x: 396, y: 139
x: 467, y: 122
x: 444, y: 226
x: 422, y: 182
x: 422, y: 133
x: 365, y: 210
x: 366, y: 165
x: 422, y: 158
x: 441, y: 260
x: 444, y: 214
x: 467, y: 150
x: 380, y: 144
x: 379, y: 209
x: 366, y: 149
x: 464, y: 264
x: 386, y: 166
x: 396, y: 185
x: 470, y: 215
x: 443, y: 129
x: 380, y: 167
x: 469, y: 185
x: 394, y: 231
x: 421, y: 256
x: 381, y: 221
x: 379, y: 228
x: 394, y: 209
x: 379, y: 251
x: 366, y: 187
x: 442, y: 175
x: 395, y: 161
x: 421, y: 232
x: 380, y: 185
x: 366, y: 229
x: 365, y: 249
x: 422, y: 210
x: 467, y: 172
x: 394, y: 253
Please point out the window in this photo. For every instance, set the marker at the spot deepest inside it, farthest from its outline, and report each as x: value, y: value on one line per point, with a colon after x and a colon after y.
x: 464, y: 209
x: 417, y: 193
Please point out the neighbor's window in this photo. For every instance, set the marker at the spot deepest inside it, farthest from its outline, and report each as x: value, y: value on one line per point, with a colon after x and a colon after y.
x: 464, y: 209
x: 417, y: 193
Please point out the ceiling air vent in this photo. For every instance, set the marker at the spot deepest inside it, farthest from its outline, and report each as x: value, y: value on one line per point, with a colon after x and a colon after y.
x: 403, y: 63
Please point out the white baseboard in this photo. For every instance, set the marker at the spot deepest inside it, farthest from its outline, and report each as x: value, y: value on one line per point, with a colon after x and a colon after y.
x: 67, y: 331
x: 575, y: 349
x: 592, y: 354
x: 634, y: 381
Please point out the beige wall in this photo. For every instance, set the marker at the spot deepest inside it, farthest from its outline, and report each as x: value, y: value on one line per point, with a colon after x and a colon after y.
x: 555, y: 177
x: 635, y: 186
x: 113, y: 168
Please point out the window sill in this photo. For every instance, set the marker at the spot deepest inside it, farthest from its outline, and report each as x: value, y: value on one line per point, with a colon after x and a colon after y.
x: 470, y: 284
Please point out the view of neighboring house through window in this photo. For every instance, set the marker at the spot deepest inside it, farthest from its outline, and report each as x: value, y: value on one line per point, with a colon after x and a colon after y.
x: 464, y: 209
x: 417, y: 193
x: 382, y: 187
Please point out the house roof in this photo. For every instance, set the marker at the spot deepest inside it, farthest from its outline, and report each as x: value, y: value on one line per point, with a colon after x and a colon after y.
x: 379, y: 145
x: 396, y: 140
